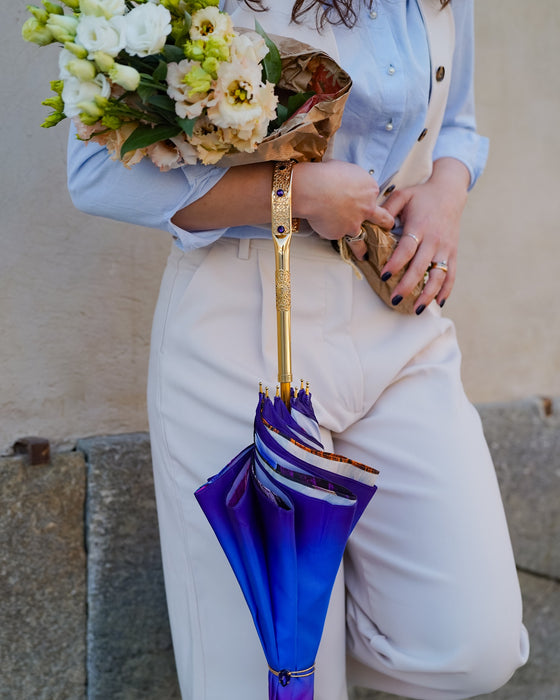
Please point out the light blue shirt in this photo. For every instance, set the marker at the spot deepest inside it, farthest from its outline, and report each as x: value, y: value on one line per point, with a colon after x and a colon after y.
x: 387, y: 56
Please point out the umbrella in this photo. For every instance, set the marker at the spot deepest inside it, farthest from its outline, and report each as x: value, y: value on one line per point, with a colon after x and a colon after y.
x: 283, y: 510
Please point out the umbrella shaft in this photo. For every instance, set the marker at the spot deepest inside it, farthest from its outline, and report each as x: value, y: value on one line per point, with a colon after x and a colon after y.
x: 283, y: 318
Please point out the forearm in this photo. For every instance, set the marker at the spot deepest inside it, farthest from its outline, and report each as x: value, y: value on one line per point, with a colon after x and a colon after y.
x: 335, y: 197
x: 241, y: 197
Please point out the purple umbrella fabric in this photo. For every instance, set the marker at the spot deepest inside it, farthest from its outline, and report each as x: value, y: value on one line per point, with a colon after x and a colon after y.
x: 283, y: 510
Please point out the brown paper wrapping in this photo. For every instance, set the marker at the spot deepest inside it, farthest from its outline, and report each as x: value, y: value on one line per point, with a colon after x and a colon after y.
x: 305, y: 135
x: 380, y: 244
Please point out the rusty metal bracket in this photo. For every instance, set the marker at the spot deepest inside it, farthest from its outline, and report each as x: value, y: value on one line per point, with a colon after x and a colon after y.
x: 37, y: 450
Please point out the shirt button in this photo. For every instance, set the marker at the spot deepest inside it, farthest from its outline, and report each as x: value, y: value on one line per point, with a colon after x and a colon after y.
x: 389, y: 125
x: 371, y: 171
x: 373, y: 14
x: 440, y: 74
x: 423, y: 134
x: 391, y: 70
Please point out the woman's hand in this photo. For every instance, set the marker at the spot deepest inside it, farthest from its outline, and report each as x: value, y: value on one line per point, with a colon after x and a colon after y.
x: 431, y: 215
x: 336, y: 197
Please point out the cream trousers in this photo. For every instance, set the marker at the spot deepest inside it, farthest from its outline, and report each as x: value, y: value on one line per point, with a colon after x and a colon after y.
x: 427, y: 603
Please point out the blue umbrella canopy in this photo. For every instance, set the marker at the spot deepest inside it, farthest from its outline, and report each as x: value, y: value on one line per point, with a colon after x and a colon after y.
x: 283, y: 510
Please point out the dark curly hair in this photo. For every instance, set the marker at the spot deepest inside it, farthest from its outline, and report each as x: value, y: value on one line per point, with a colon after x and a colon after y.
x: 338, y: 12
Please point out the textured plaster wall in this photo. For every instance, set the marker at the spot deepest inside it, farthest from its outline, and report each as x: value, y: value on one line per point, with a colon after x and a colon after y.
x: 77, y: 292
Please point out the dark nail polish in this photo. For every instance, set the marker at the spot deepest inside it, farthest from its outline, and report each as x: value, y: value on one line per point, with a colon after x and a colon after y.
x: 420, y: 309
x: 396, y: 300
x: 441, y: 303
x: 386, y: 276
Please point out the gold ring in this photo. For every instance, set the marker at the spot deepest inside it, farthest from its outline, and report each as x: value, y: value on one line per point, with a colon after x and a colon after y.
x: 439, y: 265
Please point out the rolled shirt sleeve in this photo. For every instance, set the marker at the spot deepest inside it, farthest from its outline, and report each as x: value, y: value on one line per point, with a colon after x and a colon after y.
x: 458, y: 137
x: 141, y: 194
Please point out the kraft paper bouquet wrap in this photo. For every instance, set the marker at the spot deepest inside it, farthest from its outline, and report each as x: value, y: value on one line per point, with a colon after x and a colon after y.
x: 174, y: 81
x: 380, y: 245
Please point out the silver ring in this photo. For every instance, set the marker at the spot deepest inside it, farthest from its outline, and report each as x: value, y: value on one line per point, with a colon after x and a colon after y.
x: 414, y: 237
x: 361, y: 236
x: 439, y: 265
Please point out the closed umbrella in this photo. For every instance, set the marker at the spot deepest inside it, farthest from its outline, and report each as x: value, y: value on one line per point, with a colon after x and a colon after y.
x: 283, y: 510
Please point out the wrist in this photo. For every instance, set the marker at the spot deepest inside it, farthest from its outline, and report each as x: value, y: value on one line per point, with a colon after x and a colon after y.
x: 302, y: 194
x: 451, y: 172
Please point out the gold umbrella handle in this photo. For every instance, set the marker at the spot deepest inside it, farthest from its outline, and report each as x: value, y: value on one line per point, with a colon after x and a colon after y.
x: 282, y: 227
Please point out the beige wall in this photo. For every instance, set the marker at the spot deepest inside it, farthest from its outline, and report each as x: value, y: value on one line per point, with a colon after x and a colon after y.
x: 77, y: 292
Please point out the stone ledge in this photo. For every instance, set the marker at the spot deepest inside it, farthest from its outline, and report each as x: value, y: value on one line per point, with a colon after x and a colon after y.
x: 129, y: 653
x: 524, y: 438
x: 42, y: 579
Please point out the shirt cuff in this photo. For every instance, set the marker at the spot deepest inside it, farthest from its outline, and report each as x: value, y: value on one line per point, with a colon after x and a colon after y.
x: 466, y: 146
x: 200, y: 179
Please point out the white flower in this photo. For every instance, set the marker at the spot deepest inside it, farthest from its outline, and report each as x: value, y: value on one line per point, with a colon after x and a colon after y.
x: 100, y: 34
x: 210, y: 22
x: 102, y: 8
x: 241, y: 101
x: 147, y: 27
x: 125, y: 76
x: 248, y: 48
x: 64, y: 59
x: 77, y: 94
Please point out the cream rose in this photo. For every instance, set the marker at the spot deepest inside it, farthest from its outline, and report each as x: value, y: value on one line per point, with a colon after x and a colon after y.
x: 210, y: 22
x: 241, y: 101
x: 249, y: 48
x: 147, y: 27
x: 77, y: 94
x: 101, y: 34
x: 185, y: 105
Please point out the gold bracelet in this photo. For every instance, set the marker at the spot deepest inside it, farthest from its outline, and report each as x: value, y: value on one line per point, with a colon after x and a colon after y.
x: 282, y: 222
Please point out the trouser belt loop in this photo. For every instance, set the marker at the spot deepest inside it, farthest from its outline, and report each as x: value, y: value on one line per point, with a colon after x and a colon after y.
x: 243, y: 251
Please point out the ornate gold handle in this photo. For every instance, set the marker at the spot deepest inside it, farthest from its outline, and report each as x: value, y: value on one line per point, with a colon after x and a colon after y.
x: 282, y: 227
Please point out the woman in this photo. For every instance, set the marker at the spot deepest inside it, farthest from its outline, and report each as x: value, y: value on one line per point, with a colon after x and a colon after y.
x: 427, y: 604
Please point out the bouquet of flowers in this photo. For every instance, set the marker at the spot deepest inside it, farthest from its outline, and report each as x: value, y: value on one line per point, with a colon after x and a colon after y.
x: 174, y: 81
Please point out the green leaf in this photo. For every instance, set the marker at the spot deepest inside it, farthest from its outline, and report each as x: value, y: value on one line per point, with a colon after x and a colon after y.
x: 298, y: 100
x: 160, y: 72
x: 172, y: 53
x: 144, y: 136
x: 187, y: 125
x: 281, y: 116
x: 162, y: 102
x: 145, y: 92
x: 272, y: 63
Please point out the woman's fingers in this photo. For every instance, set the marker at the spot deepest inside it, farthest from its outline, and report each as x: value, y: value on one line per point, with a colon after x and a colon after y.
x: 439, y: 273
x: 382, y: 217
